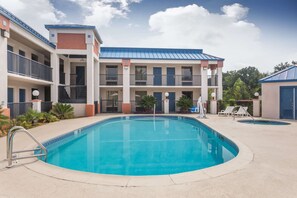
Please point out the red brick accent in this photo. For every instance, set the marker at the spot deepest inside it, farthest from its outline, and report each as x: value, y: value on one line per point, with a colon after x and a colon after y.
x: 3, y: 18
x: 220, y: 63
x: 204, y: 63
x: 71, y: 41
x: 96, y: 47
x: 126, y: 108
x: 6, y: 112
x: 126, y: 62
x: 90, y: 110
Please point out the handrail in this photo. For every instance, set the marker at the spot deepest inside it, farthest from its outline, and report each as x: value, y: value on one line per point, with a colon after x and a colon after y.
x: 9, y: 145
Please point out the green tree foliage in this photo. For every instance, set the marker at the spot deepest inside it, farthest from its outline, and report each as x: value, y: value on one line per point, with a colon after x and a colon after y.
x: 147, y: 102
x: 283, y: 66
x: 242, y: 84
x: 184, y: 103
x: 62, y: 111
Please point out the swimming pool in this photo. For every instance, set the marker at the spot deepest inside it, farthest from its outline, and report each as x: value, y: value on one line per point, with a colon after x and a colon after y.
x: 264, y: 122
x: 141, y: 145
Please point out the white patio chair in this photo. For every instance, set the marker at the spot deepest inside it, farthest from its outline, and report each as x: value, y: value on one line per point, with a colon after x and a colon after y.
x: 227, y: 111
x: 242, y: 111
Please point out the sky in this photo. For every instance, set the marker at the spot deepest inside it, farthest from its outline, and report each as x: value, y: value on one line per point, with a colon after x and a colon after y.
x: 260, y: 33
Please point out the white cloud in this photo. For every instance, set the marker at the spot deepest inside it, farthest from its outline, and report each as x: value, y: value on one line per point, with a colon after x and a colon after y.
x: 36, y: 13
x: 102, y: 12
x: 225, y: 35
x: 236, y: 11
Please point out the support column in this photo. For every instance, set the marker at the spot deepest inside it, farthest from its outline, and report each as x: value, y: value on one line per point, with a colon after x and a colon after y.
x: 55, y: 77
x: 213, y: 78
x: 3, y: 70
x: 126, y: 106
x: 204, y: 83
x: 220, y: 80
x: 90, y: 107
x: 67, y: 70
x: 97, y: 87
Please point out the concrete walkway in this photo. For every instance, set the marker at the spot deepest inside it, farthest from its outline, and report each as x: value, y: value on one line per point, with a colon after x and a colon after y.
x: 271, y: 173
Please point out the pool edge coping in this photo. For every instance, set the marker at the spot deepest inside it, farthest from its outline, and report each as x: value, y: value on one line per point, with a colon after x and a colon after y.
x: 243, y: 158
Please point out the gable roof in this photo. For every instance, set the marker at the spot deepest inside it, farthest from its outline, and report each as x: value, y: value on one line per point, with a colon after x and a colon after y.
x: 155, y: 53
x: 24, y: 26
x: 286, y: 75
x: 75, y: 26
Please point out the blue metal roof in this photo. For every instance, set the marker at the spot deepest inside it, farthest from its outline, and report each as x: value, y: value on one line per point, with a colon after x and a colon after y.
x: 75, y: 26
x: 25, y: 26
x: 286, y: 75
x: 155, y: 53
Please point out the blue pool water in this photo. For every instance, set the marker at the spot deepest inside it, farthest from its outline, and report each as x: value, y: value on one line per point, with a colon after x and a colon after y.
x: 141, y: 145
x: 264, y: 122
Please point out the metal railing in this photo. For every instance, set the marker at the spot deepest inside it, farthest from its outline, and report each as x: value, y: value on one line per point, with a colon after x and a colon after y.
x: 17, y: 109
x: 212, y: 80
x: 113, y: 80
x: 165, y: 80
x: 23, y: 66
x: 46, y: 106
x: 110, y: 106
x: 13, y: 155
x: 72, y: 94
x: 62, y: 78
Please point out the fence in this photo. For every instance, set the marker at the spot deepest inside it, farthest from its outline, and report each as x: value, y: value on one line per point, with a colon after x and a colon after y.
x: 110, y: 106
x: 17, y: 109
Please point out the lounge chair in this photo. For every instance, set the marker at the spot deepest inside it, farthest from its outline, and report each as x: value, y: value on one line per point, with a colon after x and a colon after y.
x: 227, y: 111
x: 242, y: 111
x: 193, y: 109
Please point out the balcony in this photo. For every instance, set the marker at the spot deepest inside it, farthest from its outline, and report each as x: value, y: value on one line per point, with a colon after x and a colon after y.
x: 73, y: 94
x: 111, y: 80
x: 212, y: 80
x: 23, y: 66
x: 165, y: 80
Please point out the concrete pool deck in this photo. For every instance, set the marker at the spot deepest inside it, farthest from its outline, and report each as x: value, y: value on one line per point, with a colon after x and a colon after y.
x: 267, y: 168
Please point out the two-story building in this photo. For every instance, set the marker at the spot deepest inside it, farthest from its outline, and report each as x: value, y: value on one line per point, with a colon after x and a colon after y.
x: 72, y: 67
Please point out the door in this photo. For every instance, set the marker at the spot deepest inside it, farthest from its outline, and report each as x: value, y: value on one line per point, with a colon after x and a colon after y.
x: 22, y: 100
x: 80, y: 75
x: 171, y: 98
x: 157, y: 75
x: 287, y: 100
x: 295, y: 103
x: 170, y: 76
x: 10, y: 97
x: 158, y: 96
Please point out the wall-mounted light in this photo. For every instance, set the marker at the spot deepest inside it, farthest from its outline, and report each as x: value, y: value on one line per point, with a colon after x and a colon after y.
x: 213, y: 95
x: 35, y: 93
x: 166, y: 95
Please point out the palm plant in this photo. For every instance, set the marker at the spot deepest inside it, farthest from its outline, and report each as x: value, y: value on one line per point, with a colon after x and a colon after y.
x: 63, y: 111
x: 4, y: 121
x: 148, y: 102
x: 184, y: 103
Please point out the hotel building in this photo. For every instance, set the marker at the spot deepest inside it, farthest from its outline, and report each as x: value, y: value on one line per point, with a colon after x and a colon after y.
x: 72, y: 67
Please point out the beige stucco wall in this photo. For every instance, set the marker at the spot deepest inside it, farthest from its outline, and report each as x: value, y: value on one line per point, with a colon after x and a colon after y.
x: 16, y: 85
x: 271, y: 99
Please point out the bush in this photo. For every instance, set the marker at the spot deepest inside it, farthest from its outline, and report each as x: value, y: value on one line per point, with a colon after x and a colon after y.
x: 4, y: 122
x: 47, y: 118
x: 184, y: 103
x: 30, y: 119
x: 62, y: 111
x: 148, y: 102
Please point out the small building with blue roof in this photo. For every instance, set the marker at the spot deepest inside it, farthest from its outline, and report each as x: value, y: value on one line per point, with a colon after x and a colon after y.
x: 279, y: 94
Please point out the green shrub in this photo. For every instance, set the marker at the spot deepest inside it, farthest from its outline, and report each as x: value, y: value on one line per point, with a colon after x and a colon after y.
x: 62, y: 111
x: 4, y: 122
x: 47, y: 118
x: 184, y: 103
x: 30, y: 119
x: 148, y: 102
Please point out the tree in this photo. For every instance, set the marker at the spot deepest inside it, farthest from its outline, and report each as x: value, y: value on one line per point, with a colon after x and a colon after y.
x: 148, y: 102
x: 283, y: 66
x: 184, y: 103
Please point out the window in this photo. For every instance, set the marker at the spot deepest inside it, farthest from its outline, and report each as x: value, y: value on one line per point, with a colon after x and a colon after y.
x: 112, y: 101
x: 10, y: 48
x: 10, y: 97
x: 140, y: 73
x: 34, y: 57
x: 111, y: 72
x: 187, y: 73
x: 47, y: 63
x: 22, y: 53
